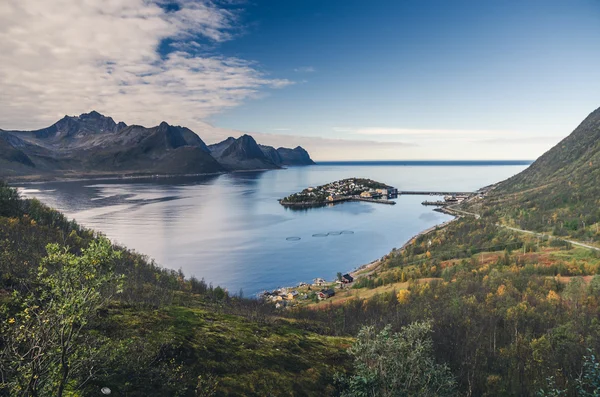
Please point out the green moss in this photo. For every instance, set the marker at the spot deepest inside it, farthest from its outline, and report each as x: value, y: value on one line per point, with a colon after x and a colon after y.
x: 248, y: 358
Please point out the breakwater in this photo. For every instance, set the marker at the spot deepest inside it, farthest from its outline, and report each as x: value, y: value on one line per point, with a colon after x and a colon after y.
x: 438, y: 203
x: 430, y: 193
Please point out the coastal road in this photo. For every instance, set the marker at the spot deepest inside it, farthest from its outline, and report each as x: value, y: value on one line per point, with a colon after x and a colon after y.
x: 452, y: 208
x: 514, y: 229
x: 549, y: 236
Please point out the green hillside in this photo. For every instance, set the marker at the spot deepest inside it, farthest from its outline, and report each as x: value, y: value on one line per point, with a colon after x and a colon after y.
x: 560, y: 191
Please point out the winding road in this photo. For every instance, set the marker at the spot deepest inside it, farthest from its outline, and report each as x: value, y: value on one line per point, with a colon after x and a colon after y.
x: 477, y: 216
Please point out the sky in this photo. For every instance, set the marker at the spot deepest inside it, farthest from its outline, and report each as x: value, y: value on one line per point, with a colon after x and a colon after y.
x: 347, y: 80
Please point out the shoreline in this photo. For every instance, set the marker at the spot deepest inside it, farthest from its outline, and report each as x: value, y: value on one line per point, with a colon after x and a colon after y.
x: 105, y: 177
x: 372, y: 266
x: 359, y: 272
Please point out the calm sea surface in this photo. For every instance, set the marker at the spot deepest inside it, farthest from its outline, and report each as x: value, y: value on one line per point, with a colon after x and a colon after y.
x: 230, y: 229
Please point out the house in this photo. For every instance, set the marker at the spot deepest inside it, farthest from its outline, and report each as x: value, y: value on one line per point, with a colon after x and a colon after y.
x: 365, y: 195
x: 326, y: 293
x: 292, y: 295
x: 346, y: 278
x: 383, y: 192
x: 319, y: 281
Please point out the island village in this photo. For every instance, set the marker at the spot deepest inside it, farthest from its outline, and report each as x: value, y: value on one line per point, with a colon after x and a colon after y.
x: 351, y: 189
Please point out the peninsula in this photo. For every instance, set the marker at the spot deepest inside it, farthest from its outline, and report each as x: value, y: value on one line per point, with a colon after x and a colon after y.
x: 350, y: 189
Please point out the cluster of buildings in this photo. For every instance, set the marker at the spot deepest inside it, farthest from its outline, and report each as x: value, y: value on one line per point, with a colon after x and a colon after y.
x: 357, y: 187
x: 282, y: 297
x: 342, y: 190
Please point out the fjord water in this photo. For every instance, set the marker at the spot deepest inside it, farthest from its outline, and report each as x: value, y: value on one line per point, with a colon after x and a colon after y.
x: 230, y: 230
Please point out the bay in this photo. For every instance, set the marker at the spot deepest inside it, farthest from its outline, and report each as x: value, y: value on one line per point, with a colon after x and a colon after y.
x: 230, y: 230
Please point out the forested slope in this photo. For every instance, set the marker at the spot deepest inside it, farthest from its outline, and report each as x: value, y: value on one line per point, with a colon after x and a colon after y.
x: 560, y: 191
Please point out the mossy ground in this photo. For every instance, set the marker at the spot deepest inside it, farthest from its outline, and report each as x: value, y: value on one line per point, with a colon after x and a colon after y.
x: 247, y: 358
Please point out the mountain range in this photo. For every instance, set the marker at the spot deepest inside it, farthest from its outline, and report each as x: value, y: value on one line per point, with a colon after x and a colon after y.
x: 92, y: 144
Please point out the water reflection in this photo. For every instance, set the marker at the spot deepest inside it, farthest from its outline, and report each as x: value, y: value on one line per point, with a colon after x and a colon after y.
x: 231, y: 230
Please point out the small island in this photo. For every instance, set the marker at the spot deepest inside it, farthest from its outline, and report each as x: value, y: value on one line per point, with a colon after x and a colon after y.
x: 350, y: 189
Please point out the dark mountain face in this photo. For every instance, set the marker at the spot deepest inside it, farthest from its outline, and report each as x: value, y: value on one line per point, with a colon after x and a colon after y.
x: 285, y: 156
x: 218, y: 148
x: 77, y: 126
x: 93, y: 144
x: 10, y: 152
x: 271, y: 153
x: 296, y: 156
x: 241, y: 154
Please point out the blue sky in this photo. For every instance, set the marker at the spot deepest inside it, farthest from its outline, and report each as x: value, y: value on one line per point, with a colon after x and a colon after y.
x: 346, y: 79
x: 529, y: 67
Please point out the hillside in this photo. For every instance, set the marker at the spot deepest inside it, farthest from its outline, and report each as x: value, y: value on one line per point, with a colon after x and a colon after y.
x: 92, y: 144
x: 559, y: 192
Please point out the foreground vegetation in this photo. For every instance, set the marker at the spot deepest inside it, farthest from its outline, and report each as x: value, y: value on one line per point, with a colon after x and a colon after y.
x: 79, y: 314
x: 510, y: 318
x: 471, y: 309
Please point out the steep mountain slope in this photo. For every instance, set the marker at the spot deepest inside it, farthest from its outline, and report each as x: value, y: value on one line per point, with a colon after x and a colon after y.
x: 560, y: 191
x: 73, y: 132
x: 285, y: 156
x: 92, y: 144
x: 574, y: 159
x: 164, y: 149
x: 12, y: 159
x: 271, y: 153
x: 241, y: 154
x: 217, y: 149
x: 296, y: 156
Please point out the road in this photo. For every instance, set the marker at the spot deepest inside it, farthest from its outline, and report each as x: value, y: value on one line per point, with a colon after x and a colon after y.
x: 577, y: 243
x: 549, y: 236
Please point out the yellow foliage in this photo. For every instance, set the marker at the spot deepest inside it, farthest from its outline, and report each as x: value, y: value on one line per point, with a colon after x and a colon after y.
x: 501, y: 290
x: 553, y: 297
x: 424, y: 288
x: 403, y: 296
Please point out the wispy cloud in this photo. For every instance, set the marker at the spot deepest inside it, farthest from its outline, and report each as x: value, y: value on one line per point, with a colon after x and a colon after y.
x: 526, y: 140
x: 419, y: 132
x: 305, y: 69
x: 64, y: 56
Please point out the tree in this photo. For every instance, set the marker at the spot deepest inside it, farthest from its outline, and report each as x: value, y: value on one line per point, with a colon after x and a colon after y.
x: 396, y: 364
x: 9, y: 201
x: 45, y: 343
x: 339, y: 276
